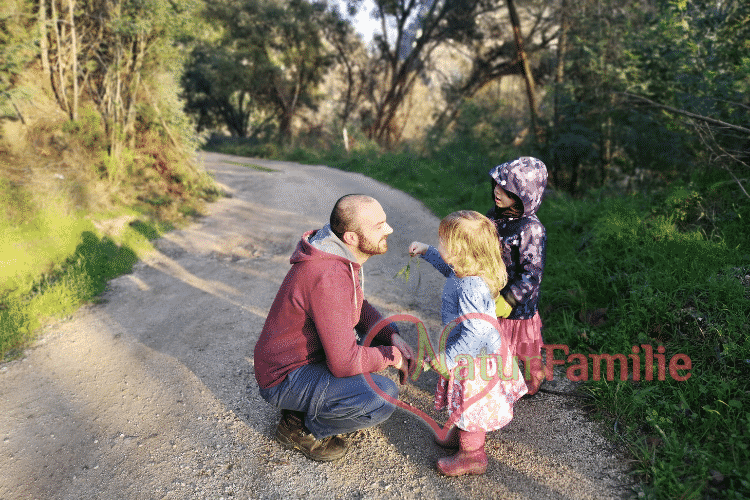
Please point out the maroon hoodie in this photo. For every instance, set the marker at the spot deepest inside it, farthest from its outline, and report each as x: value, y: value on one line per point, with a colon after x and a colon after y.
x: 313, y: 317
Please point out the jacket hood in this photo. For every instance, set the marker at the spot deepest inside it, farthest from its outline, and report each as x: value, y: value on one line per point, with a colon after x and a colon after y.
x: 323, y: 244
x: 526, y: 177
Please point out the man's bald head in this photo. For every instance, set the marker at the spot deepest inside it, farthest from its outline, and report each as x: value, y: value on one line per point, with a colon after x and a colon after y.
x: 345, y: 213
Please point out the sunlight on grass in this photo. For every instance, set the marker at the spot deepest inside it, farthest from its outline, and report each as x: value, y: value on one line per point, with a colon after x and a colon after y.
x: 27, y: 251
x: 53, y: 264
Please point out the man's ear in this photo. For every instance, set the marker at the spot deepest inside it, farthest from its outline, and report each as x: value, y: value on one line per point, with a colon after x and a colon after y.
x: 350, y: 238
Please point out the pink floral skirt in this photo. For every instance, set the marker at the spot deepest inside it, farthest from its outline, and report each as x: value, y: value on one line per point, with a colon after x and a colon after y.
x: 481, y: 399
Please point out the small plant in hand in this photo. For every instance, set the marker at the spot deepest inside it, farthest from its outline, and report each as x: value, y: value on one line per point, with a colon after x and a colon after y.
x: 405, y: 271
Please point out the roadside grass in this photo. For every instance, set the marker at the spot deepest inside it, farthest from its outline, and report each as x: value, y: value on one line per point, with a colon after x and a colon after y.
x: 667, y: 270
x: 72, y: 216
x: 622, y: 273
x: 54, y: 264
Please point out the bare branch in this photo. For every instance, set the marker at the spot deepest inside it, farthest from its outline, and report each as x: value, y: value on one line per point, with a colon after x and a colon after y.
x: 706, y: 119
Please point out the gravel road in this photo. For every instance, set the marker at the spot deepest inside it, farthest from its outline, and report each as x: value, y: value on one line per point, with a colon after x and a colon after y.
x: 150, y: 394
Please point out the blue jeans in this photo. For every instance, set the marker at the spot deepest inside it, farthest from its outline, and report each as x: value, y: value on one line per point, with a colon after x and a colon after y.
x: 332, y: 405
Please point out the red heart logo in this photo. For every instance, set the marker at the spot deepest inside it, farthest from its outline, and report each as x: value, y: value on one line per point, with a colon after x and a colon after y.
x: 441, y: 431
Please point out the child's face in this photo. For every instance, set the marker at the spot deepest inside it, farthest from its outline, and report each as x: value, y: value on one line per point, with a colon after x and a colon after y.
x: 502, y: 198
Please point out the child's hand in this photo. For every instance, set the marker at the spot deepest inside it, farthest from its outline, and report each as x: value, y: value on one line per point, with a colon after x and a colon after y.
x: 418, y: 248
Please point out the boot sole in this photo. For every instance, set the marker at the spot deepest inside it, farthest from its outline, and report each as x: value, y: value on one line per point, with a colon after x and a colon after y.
x: 469, y: 472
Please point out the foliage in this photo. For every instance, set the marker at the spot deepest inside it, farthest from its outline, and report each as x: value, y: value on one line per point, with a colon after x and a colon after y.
x: 101, y: 135
x: 482, y: 128
x: 16, y: 50
x: 403, y: 56
x: 120, y: 52
x: 222, y: 91
x: 267, y: 64
x: 662, y: 280
x: 705, y: 72
x: 681, y: 55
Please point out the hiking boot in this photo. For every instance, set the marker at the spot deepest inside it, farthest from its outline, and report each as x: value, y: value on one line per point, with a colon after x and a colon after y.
x: 291, y: 433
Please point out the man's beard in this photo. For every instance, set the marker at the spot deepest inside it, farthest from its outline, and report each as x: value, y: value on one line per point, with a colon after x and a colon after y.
x: 369, y: 248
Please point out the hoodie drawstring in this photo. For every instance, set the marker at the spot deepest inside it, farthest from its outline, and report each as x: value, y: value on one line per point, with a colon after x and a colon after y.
x: 354, y: 284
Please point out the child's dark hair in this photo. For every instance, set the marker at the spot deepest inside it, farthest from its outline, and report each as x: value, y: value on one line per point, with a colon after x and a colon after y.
x: 514, y: 211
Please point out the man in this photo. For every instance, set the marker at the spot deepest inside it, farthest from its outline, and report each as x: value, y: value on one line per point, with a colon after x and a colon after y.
x: 308, y: 360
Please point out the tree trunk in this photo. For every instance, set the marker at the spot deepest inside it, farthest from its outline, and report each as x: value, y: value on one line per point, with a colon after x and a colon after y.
x: 44, y: 42
x: 74, y: 59
x: 136, y: 55
x: 562, y: 46
x: 528, y: 77
x: 62, y: 97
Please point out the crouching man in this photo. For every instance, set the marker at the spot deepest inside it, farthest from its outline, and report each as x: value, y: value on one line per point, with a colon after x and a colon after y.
x: 309, y: 361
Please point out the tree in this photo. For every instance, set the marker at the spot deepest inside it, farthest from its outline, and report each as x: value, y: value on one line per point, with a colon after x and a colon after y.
x: 281, y: 55
x: 412, y: 30
x: 682, y: 55
x: 351, y: 57
x: 228, y: 89
x: 592, y: 131
x: 416, y: 33
x: 525, y: 67
x: 700, y: 83
x: 110, y: 50
x: 16, y: 50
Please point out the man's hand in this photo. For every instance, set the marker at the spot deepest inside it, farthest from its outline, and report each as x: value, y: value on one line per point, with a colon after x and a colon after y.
x: 407, y: 357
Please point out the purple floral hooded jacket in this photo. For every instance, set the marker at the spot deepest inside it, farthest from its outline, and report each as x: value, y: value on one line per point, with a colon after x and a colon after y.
x: 524, y: 239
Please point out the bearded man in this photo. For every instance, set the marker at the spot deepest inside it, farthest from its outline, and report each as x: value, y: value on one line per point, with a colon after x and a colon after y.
x: 309, y: 359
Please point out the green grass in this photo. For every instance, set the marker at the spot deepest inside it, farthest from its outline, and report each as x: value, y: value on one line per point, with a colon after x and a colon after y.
x: 665, y: 269
x: 661, y: 286
x: 53, y: 264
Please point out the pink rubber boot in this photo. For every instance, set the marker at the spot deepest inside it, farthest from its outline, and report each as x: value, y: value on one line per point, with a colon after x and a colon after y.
x: 470, y: 459
x: 450, y: 440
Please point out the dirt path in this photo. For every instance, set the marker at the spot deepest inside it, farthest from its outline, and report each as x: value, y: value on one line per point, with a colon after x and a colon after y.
x: 151, y: 394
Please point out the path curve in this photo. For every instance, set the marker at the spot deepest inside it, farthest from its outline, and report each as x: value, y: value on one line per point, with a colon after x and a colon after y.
x: 151, y: 393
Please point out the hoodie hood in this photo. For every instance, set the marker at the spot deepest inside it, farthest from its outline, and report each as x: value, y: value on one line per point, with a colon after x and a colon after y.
x: 326, y: 241
x: 321, y: 244
x: 324, y: 244
x: 525, y: 177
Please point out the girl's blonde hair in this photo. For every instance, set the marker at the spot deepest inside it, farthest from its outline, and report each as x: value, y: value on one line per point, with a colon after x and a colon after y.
x: 471, y: 243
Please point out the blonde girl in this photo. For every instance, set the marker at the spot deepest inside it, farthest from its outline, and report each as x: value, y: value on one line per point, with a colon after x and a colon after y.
x: 479, y: 381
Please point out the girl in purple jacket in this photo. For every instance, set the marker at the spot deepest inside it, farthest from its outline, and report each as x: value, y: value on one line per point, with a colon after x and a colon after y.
x: 517, y: 190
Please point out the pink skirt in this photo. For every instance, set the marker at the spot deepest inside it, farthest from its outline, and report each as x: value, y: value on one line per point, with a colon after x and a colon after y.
x: 524, y: 337
x: 481, y: 400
